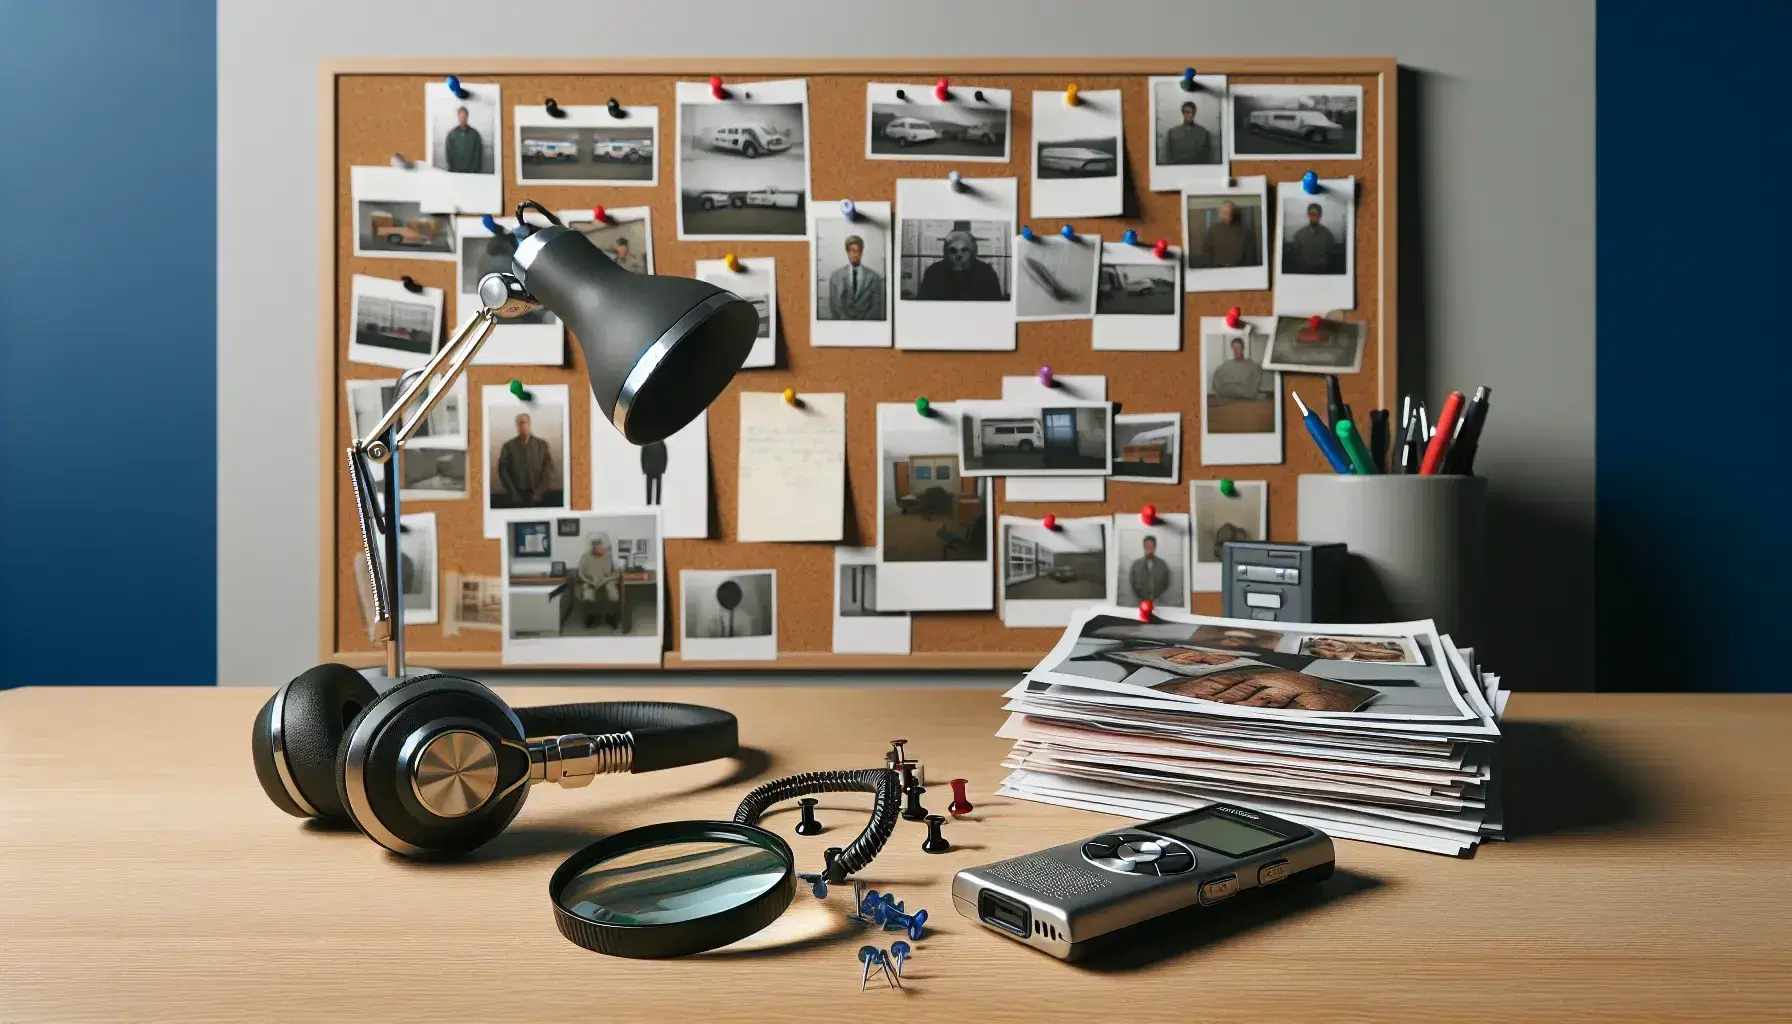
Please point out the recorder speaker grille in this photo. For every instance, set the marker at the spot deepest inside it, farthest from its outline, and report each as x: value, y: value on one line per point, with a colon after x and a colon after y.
x: 1048, y: 876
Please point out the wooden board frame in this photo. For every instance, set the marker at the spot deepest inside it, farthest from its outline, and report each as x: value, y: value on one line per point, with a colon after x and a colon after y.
x: 1377, y: 173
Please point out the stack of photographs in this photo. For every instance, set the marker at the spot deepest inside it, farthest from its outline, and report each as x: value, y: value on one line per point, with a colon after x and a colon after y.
x: 1382, y: 733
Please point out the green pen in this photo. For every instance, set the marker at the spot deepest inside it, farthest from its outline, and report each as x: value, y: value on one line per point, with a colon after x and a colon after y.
x: 1354, y: 448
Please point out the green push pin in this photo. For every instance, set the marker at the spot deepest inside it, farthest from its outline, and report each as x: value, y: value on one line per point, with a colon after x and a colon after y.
x: 924, y: 407
x: 1228, y: 488
x: 522, y: 394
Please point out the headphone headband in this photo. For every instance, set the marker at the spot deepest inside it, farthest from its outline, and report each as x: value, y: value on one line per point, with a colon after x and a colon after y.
x: 665, y: 735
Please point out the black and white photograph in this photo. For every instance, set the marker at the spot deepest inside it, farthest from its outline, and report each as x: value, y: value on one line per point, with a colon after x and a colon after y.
x: 1225, y: 236
x: 587, y: 146
x: 1138, y: 300
x: 1331, y: 346
x: 728, y: 614
x: 1151, y: 562
x: 755, y: 279
x: 1291, y: 122
x: 431, y: 474
x: 934, y: 524
x: 393, y: 326
x: 860, y: 627
x: 588, y: 588
x: 1047, y: 574
x: 389, y: 217
x: 1241, y: 402
x: 1022, y: 439
x: 670, y: 475
x: 1057, y: 277
x: 445, y: 427
x: 908, y: 121
x: 417, y: 565
x: 1315, y: 250
x: 536, y: 338
x: 525, y: 451
x: 1077, y: 150
x: 1030, y: 389
x: 955, y: 261
x: 1148, y: 447
x: 1188, y: 132
x: 625, y: 234
x: 1218, y: 518
x: 462, y: 138
x: 851, y: 300
x: 743, y: 162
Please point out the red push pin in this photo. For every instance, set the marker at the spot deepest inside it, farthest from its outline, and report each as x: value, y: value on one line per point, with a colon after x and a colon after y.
x: 1234, y: 317
x: 1145, y: 610
x: 600, y: 215
x: 1050, y: 521
x: 942, y: 90
x: 1162, y: 246
x: 960, y: 804
x: 715, y: 87
x: 1148, y: 515
x: 1314, y: 321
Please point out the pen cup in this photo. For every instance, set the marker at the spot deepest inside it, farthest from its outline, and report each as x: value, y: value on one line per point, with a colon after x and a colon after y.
x: 1416, y: 545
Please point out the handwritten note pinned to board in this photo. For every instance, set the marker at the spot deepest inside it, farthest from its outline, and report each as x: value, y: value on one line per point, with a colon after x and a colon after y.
x: 792, y: 467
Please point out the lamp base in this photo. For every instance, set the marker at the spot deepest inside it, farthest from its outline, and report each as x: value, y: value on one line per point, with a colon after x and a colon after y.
x: 383, y: 682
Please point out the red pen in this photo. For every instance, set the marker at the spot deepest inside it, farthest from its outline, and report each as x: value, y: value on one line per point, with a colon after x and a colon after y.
x: 1440, y: 441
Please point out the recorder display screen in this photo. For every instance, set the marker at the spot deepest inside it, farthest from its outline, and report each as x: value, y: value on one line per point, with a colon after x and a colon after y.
x: 1232, y: 838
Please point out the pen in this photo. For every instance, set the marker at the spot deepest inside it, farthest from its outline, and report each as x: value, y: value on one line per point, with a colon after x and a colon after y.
x: 1353, y: 447
x: 1461, y: 457
x: 1411, y: 444
x: 1378, y: 438
x: 1440, y: 439
x: 1336, y: 411
x: 1328, y: 445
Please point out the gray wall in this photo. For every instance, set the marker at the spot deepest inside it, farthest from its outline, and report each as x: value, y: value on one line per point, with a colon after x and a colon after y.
x: 1497, y: 237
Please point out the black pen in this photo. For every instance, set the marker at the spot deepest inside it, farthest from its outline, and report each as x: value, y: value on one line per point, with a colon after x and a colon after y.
x: 1412, y: 447
x: 1461, y: 458
x: 1378, y: 438
x: 1335, y: 409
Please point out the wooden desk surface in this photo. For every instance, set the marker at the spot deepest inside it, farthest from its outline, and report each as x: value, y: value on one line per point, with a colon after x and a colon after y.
x: 144, y: 876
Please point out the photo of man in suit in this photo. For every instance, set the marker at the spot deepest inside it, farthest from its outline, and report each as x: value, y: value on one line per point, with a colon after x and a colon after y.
x: 1149, y: 575
x: 527, y: 472
x: 465, y: 146
x: 855, y: 291
x: 1188, y: 142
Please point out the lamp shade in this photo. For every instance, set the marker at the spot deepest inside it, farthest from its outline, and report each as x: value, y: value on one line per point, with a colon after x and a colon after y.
x: 659, y: 350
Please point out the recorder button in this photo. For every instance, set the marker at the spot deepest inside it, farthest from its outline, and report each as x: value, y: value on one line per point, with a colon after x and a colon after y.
x: 1219, y: 889
x: 1099, y: 848
x: 1270, y: 874
x: 1175, y: 862
x: 1140, y: 852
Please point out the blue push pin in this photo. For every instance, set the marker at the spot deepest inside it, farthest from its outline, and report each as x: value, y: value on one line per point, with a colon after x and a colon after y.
x: 910, y: 922
x: 1188, y: 79
x: 454, y: 87
x: 818, y: 884
x: 1068, y: 232
x: 1309, y: 183
x: 957, y: 183
x: 899, y: 951
x: 848, y: 210
x: 1026, y: 233
x: 1130, y: 238
x: 490, y: 224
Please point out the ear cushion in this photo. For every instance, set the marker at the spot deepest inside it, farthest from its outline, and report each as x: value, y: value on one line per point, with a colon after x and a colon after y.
x: 320, y: 704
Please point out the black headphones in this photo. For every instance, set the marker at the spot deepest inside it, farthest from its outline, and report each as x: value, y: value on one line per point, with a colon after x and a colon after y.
x: 438, y: 765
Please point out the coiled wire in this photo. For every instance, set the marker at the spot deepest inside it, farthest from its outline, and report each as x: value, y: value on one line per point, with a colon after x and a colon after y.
x: 882, y: 783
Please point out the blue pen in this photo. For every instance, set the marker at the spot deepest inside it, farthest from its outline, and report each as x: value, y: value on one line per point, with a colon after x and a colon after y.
x: 1328, y: 444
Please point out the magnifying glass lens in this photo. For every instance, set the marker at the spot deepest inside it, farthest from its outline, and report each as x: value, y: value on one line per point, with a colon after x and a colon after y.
x: 672, y: 882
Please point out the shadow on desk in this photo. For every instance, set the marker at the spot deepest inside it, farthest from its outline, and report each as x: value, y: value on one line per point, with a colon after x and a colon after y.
x: 1557, y: 779
x: 1196, y: 928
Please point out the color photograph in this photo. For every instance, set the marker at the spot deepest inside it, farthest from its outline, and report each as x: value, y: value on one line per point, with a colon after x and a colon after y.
x: 1048, y: 574
x: 584, y: 588
x: 1218, y: 518
x: 1331, y: 346
x: 1147, y: 447
x: 1017, y: 439
x: 625, y: 234
x: 935, y: 529
x: 585, y: 145
x: 1151, y: 562
x: 393, y: 326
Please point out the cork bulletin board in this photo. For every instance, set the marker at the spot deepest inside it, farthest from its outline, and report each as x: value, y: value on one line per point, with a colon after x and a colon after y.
x: 375, y: 108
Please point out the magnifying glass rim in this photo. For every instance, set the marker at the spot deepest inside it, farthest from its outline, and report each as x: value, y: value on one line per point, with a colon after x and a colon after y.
x: 675, y: 938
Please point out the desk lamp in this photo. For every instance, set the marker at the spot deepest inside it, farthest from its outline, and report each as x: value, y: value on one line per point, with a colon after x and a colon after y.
x: 658, y: 350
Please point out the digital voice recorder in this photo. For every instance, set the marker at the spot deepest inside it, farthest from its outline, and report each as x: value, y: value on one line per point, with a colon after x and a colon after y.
x: 1064, y: 899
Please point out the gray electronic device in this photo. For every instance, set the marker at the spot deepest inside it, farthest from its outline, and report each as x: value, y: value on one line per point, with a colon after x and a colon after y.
x: 1282, y: 582
x: 1069, y: 899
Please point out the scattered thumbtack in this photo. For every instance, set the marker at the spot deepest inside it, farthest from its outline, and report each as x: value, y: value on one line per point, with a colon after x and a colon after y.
x: 490, y: 223
x: 1070, y: 97
x: 911, y: 923
x: 1026, y: 232
x: 942, y: 90
x: 1161, y: 249
x: 553, y: 108
x: 961, y: 804
x: 715, y: 88
x: 1130, y: 238
x: 1050, y: 521
x: 615, y: 109
x: 907, y: 768
x: 522, y: 394
x: 1068, y: 232
x: 830, y: 864
x: 410, y: 284
x: 860, y: 911
x: 899, y: 951
x: 923, y: 406
x: 791, y: 400
x: 454, y: 87
x: 1228, y: 488
x: 1188, y: 79
x: 818, y: 884
x: 883, y: 960
x: 912, y: 810
x: 1146, y: 608
x: 897, y: 755
x: 1148, y: 515
x: 808, y: 826
x: 732, y: 262
x: 1234, y: 317
x: 1045, y: 377
x: 1314, y: 321
x: 936, y: 841
x: 849, y: 209
x: 601, y: 215
x: 956, y: 180
x: 1309, y: 183
x: 868, y: 957
x: 978, y: 96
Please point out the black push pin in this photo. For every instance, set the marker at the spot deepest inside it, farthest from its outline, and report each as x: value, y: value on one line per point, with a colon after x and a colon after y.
x: 909, y: 781
x: 895, y: 757
x: 936, y: 841
x: 979, y: 96
x: 615, y: 109
x: 913, y: 811
x: 830, y: 860
x: 410, y: 284
x: 554, y: 108
x: 902, y: 94
x: 808, y: 826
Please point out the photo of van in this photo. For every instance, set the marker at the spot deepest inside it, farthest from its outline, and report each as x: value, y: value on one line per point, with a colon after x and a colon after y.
x: 412, y: 231
x: 906, y: 131
x: 556, y: 150
x: 749, y: 140
x: 1311, y: 125
x: 632, y: 151
x: 1019, y: 435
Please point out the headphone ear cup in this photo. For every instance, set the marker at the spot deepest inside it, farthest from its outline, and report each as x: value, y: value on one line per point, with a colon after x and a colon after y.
x: 315, y: 711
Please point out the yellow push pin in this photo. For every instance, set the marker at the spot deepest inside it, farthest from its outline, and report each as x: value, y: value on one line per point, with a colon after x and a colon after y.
x: 791, y: 399
x: 732, y: 262
x: 1070, y: 99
